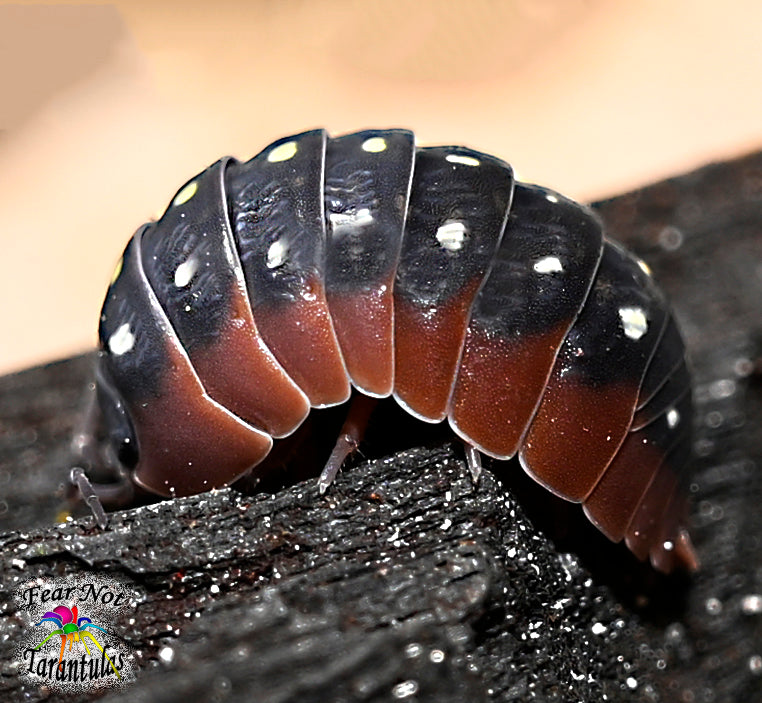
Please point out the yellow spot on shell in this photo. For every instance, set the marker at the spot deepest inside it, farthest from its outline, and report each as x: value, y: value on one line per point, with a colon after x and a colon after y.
x: 374, y: 145
x: 117, y: 270
x: 282, y: 152
x: 185, y: 194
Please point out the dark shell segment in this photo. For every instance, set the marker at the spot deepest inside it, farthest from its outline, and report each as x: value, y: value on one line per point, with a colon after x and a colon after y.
x: 367, y: 185
x: 166, y: 402
x: 677, y: 385
x: 275, y: 202
x: 539, y: 280
x: 132, y: 346
x: 458, y: 207
x: 110, y: 415
x: 276, y: 207
x: 544, y: 268
x: 188, y: 260
x: 457, y: 212
x: 664, y: 364
x: 191, y: 262
x: 592, y: 392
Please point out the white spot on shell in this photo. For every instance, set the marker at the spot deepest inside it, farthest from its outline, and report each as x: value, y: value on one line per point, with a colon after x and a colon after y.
x: 634, y: 322
x: 185, y: 271
x: 548, y: 264
x: 277, y: 254
x: 673, y: 418
x: 374, y: 145
x: 354, y: 218
x: 452, y: 235
x: 461, y: 159
x: 185, y: 193
x: 121, y: 341
x: 282, y: 152
x: 551, y: 198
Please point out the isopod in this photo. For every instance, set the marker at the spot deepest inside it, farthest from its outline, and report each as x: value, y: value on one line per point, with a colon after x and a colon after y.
x: 274, y: 286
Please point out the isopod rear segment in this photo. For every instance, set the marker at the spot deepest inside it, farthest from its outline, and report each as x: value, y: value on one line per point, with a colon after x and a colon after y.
x: 274, y: 286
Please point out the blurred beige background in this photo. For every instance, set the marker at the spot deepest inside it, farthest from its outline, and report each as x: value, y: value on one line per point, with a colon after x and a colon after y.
x: 106, y: 108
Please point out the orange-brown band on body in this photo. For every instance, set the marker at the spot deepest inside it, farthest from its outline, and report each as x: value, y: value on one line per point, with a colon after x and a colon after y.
x: 187, y: 443
x: 685, y: 552
x: 645, y: 527
x: 612, y: 504
x: 575, y: 433
x: 239, y: 372
x: 300, y: 335
x: 498, y: 386
x: 364, y: 325
x: 673, y: 546
x: 427, y: 346
x: 662, y: 559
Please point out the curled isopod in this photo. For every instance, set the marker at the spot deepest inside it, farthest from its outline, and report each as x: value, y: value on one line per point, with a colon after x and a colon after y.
x: 272, y: 287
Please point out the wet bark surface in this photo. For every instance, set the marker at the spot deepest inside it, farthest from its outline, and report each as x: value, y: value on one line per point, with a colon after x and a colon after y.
x: 407, y: 582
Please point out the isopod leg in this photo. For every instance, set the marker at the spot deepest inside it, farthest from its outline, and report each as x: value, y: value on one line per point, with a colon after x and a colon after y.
x: 474, y: 461
x: 360, y: 408
x: 91, y: 452
x: 88, y: 494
